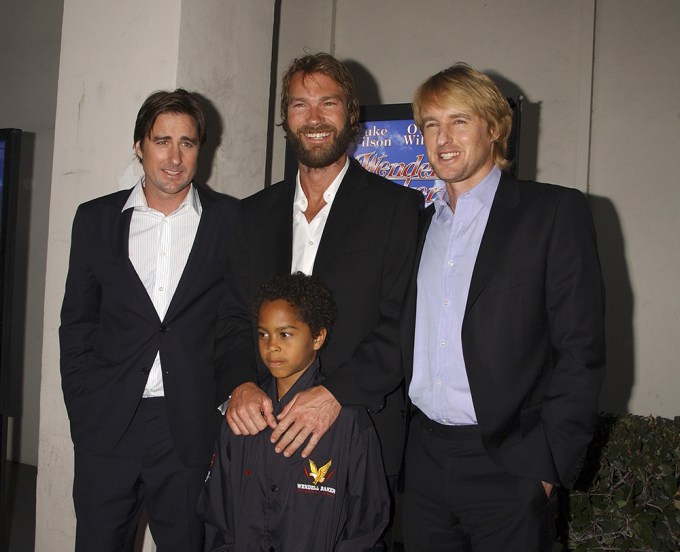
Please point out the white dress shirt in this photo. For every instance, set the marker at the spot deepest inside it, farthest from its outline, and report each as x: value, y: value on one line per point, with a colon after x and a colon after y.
x: 159, y: 247
x: 307, y: 235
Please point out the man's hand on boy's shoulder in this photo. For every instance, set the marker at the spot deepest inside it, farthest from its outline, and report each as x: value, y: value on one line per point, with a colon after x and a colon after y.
x: 309, y: 414
x: 250, y: 410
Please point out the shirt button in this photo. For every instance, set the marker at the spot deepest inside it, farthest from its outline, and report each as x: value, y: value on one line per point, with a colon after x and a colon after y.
x: 275, y: 488
x: 446, y: 302
x: 442, y: 343
x: 311, y: 242
x: 160, y: 288
x: 450, y: 263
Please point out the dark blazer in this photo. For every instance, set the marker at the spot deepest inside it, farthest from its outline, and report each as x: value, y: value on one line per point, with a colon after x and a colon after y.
x: 533, y: 331
x: 110, y: 331
x: 364, y: 257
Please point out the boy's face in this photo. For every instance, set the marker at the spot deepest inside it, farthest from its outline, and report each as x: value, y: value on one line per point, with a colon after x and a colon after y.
x: 286, y: 343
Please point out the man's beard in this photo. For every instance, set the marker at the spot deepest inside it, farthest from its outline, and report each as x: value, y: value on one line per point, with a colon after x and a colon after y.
x: 323, y: 155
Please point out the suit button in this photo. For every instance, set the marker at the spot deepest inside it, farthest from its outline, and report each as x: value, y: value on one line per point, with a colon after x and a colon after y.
x: 164, y: 328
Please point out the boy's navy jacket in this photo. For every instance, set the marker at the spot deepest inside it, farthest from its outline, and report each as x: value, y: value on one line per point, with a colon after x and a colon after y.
x: 334, y: 501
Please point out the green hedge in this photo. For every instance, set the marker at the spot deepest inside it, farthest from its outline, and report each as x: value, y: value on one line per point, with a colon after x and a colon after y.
x: 627, y: 496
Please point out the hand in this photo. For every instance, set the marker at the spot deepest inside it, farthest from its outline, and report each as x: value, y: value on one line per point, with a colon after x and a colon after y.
x: 309, y: 414
x: 548, y: 488
x: 250, y: 410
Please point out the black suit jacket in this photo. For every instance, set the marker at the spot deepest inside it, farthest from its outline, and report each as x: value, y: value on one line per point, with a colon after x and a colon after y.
x: 110, y: 331
x: 533, y: 330
x: 365, y: 258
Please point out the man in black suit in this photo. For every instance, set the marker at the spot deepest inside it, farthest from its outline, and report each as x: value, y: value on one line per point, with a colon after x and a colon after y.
x: 148, y: 269
x: 354, y: 230
x: 503, y: 335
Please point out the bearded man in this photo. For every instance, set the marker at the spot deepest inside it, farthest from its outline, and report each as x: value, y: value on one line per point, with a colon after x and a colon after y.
x: 357, y: 232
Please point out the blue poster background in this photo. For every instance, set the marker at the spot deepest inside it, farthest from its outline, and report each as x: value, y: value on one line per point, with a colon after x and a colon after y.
x: 395, y: 150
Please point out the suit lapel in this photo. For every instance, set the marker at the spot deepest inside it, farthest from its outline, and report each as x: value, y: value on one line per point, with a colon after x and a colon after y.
x: 121, y: 252
x: 281, y: 219
x: 495, y: 236
x: 347, y: 206
x: 409, y: 316
x: 206, y: 231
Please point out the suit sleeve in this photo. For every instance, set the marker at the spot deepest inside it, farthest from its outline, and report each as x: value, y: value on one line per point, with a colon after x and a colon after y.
x: 79, y: 313
x: 234, y: 344
x: 575, y: 307
x: 367, y: 495
x: 374, y: 369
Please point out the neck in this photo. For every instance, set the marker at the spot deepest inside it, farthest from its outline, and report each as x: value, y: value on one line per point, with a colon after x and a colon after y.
x: 457, y: 189
x: 315, y: 182
x: 167, y: 203
x: 283, y: 385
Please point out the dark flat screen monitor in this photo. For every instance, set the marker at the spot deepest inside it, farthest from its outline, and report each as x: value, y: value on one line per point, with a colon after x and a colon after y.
x: 10, y: 144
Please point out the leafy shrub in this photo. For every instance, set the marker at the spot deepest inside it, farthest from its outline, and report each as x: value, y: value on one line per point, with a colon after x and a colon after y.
x: 627, y: 497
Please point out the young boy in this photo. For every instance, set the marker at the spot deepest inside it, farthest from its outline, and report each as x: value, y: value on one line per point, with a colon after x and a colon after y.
x: 257, y: 500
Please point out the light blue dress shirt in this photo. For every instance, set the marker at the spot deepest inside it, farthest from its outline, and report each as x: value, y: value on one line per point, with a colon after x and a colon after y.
x: 440, y: 387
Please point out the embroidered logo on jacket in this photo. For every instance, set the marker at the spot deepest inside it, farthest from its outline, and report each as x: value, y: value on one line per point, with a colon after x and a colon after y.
x: 318, y: 476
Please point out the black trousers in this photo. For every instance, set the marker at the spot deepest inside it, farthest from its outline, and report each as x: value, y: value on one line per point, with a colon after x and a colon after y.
x: 457, y: 499
x: 143, y: 470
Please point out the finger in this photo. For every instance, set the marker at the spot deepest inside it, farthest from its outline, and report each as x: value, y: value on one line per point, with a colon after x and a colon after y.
x: 268, y: 414
x: 237, y: 428
x: 313, y: 441
x: 255, y: 424
x: 296, y: 443
x: 284, y: 427
x: 270, y: 420
x: 286, y: 409
x: 249, y: 421
x: 286, y: 438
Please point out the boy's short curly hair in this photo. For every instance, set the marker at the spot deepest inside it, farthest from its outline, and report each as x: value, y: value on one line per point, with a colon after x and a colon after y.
x: 306, y: 294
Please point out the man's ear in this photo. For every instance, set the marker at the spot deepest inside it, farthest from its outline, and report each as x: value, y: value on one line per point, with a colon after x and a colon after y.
x: 320, y: 339
x: 138, y: 150
x: 494, y: 133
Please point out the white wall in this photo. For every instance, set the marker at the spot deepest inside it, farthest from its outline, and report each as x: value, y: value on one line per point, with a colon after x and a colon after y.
x: 112, y: 56
x: 225, y: 55
x: 636, y: 189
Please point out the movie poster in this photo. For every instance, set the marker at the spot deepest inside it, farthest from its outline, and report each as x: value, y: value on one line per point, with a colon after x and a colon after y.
x: 394, y: 149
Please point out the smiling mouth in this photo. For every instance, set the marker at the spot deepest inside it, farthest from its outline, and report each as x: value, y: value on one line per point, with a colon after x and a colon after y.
x: 317, y: 135
x: 172, y: 173
x: 449, y: 155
